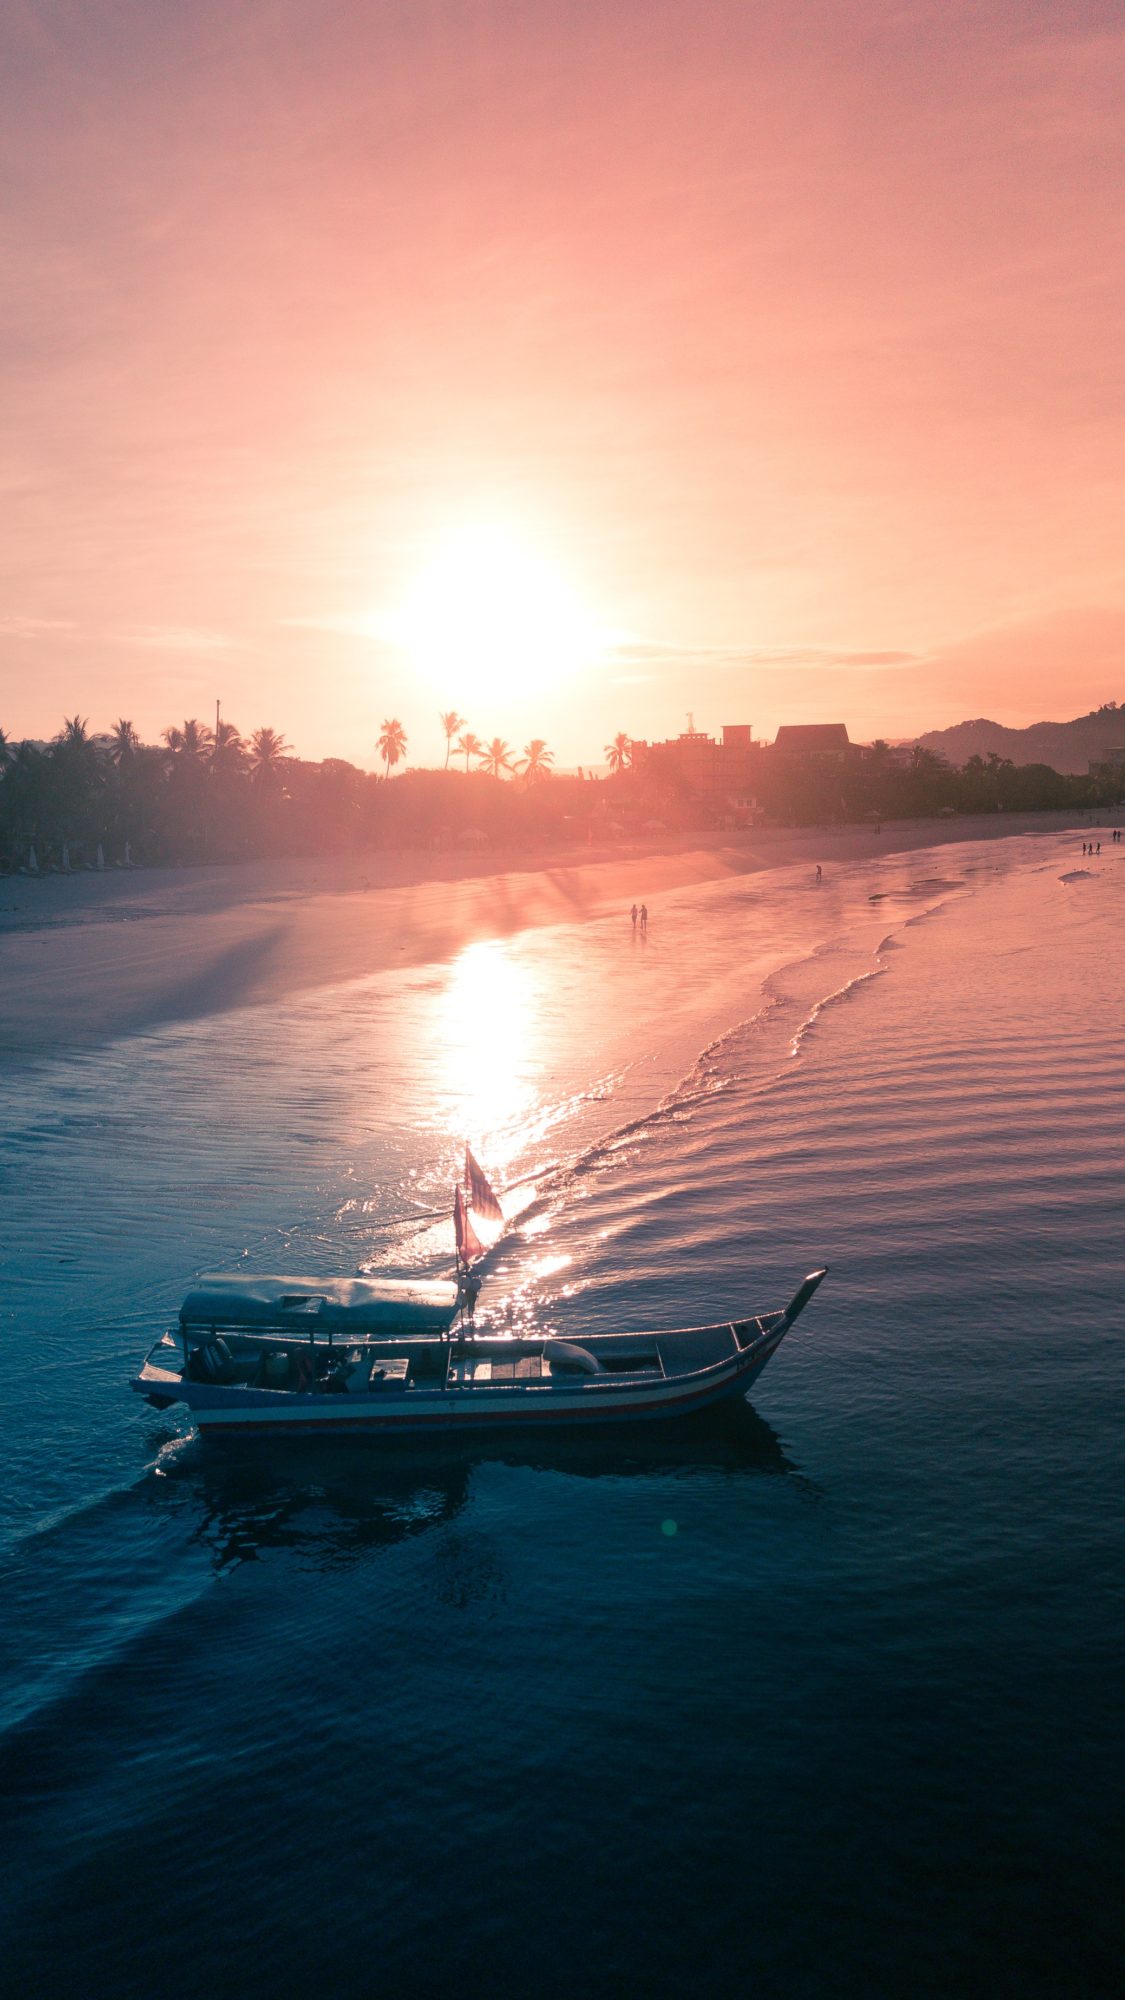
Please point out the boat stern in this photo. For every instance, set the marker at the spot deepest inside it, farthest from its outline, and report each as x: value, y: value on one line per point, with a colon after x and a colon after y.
x: 160, y: 1380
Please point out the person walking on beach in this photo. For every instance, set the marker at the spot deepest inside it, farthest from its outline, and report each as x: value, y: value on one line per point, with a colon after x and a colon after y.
x: 644, y: 917
x: 819, y: 872
x: 633, y: 914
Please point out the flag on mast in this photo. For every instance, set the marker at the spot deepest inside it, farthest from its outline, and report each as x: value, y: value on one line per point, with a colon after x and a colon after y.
x: 469, y: 1244
x: 480, y: 1193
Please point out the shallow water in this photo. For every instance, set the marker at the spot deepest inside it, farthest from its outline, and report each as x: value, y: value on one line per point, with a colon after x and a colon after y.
x: 817, y: 1695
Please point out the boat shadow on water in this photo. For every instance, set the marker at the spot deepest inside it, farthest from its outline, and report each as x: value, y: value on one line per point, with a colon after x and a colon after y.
x: 335, y: 1502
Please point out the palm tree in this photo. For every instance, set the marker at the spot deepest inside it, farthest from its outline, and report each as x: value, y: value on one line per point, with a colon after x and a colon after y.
x: 391, y: 744
x: 75, y: 750
x: 123, y: 740
x: 469, y: 746
x: 76, y: 781
x: 227, y: 749
x: 75, y: 733
x: 7, y: 750
x: 190, y: 744
x: 536, y: 761
x: 451, y: 723
x: 268, y: 751
x: 619, y: 752
x: 496, y: 758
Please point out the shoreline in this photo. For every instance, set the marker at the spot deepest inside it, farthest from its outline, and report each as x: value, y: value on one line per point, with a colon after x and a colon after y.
x: 91, y: 957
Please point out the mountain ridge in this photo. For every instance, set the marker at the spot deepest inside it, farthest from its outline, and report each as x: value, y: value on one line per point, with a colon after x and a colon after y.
x: 1065, y: 746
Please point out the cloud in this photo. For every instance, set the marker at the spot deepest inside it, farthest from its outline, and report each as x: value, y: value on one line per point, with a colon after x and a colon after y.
x: 760, y: 659
x: 13, y: 626
x: 176, y: 639
x: 346, y: 624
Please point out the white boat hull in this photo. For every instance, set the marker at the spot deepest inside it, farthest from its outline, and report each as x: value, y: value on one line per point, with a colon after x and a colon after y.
x: 420, y: 1411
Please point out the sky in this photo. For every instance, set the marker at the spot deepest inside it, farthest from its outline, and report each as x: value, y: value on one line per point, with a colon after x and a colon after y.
x: 576, y: 364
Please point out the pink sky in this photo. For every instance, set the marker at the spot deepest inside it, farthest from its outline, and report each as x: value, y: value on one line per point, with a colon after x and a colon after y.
x: 790, y: 333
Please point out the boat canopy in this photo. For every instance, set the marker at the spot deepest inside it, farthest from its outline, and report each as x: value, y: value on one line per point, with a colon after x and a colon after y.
x: 301, y: 1305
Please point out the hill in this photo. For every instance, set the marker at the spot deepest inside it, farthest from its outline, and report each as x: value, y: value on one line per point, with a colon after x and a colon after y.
x: 1065, y: 746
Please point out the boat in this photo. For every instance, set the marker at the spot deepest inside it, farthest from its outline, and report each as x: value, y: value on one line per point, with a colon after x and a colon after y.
x: 352, y: 1356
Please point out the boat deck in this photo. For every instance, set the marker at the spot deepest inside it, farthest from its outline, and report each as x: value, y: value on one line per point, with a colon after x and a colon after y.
x: 465, y: 1370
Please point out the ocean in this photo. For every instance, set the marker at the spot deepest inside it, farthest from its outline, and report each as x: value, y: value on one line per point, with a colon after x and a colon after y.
x: 817, y: 1695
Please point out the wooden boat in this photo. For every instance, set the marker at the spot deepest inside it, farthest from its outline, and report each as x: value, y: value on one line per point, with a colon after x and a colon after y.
x: 349, y: 1355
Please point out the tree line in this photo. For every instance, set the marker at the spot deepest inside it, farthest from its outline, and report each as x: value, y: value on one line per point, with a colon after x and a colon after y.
x: 205, y: 794
x: 213, y: 794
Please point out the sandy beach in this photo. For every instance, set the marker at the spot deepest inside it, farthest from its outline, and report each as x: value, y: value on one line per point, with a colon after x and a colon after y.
x: 91, y: 956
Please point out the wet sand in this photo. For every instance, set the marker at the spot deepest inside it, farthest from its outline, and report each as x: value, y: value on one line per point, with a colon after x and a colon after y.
x: 88, y: 957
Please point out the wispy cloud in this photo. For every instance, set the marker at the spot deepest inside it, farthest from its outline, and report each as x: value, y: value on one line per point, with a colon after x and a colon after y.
x: 14, y: 626
x: 176, y: 639
x: 654, y: 653
x: 344, y: 624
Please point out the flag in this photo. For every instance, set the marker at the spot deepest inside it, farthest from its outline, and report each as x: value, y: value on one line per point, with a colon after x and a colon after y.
x: 481, y: 1196
x: 469, y: 1244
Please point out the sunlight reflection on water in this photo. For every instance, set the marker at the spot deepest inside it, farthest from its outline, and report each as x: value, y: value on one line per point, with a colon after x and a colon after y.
x: 489, y: 1039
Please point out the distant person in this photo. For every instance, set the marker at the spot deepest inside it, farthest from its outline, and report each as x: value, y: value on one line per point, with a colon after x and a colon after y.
x: 819, y: 872
x: 633, y: 914
x: 644, y: 916
x: 1099, y: 847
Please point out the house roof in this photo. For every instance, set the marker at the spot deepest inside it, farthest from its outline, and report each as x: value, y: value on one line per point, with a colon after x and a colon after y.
x: 812, y: 739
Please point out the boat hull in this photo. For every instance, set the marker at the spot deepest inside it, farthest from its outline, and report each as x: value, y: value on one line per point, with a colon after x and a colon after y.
x: 221, y: 1412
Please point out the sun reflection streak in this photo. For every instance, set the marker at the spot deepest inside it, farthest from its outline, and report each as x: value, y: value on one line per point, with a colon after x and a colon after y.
x: 490, y: 1039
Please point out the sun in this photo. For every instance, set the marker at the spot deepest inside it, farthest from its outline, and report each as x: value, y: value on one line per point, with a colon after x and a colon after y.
x: 487, y: 616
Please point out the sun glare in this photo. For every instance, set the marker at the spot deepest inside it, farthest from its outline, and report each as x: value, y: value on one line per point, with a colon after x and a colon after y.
x: 488, y: 616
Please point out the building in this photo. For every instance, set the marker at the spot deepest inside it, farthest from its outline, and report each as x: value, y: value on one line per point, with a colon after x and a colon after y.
x: 724, y: 771
x: 813, y: 743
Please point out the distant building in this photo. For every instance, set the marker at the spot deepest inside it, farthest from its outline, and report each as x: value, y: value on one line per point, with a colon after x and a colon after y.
x: 813, y: 743
x: 723, y: 771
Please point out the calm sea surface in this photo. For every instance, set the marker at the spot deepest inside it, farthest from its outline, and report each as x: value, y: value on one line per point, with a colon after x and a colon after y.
x: 819, y: 1696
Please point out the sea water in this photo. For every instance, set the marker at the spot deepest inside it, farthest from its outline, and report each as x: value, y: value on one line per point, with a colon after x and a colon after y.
x: 818, y: 1694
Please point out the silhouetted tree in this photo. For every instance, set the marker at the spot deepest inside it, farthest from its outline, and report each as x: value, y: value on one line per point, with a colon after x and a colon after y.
x: 391, y: 744
x: 469, y: 746
x: 123, y: 741
x: 267, y: 755
x: 536, y: 761
x: 451, y: 723
x: 619, y: 753
x: 190, y: 744
x: 228, y: 752
x: 496, y: 758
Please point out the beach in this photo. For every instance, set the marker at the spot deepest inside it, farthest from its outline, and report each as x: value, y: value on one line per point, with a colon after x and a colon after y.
x: 91, y: 956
